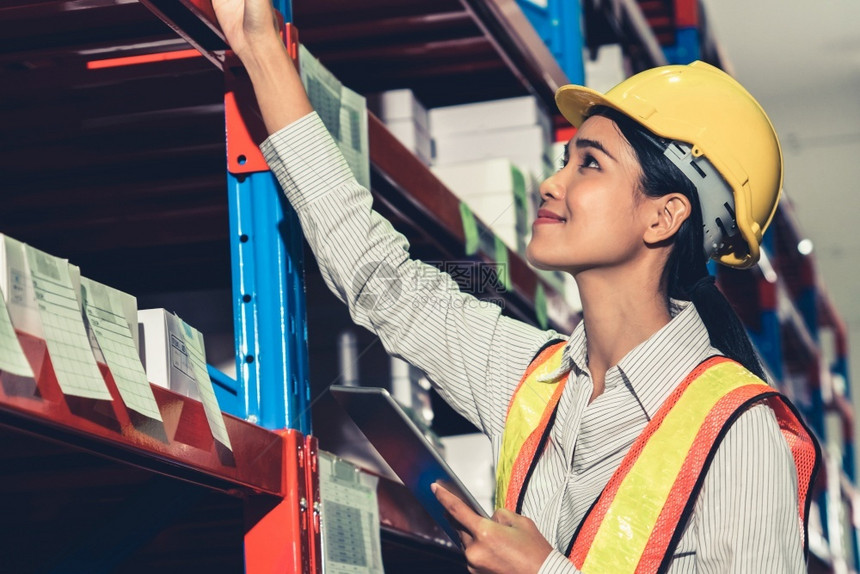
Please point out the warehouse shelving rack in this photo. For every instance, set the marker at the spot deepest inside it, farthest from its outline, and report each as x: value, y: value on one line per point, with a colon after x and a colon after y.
x: 76, y: 78
x: 173, y: 217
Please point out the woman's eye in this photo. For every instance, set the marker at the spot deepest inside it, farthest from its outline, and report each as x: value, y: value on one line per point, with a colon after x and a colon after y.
x: 588, y: 162
x: 564, y: 159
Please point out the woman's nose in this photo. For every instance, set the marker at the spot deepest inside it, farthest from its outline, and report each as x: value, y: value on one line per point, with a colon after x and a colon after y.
x: 551, y: 188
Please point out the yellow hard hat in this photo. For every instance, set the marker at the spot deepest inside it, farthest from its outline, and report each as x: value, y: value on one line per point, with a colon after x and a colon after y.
x: 700, y: 105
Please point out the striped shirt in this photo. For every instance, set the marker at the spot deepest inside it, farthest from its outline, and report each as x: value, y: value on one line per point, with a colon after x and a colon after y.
x: 745, y: 518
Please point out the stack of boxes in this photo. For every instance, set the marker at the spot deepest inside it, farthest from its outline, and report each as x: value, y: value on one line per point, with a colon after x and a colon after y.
x: 497, y: 192
x: 493, y: 155
x: 406, y: 118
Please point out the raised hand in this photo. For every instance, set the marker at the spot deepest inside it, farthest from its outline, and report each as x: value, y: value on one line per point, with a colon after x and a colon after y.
x: 507, y: 544
x: 246, y: 23
x: 250, y: 28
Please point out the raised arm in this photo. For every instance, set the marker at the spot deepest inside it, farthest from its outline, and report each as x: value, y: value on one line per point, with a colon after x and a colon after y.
x: 473, y: 353
x: 251, y: 30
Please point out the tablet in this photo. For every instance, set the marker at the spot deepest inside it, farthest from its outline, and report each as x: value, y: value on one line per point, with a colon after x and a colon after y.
x: 408, y: 453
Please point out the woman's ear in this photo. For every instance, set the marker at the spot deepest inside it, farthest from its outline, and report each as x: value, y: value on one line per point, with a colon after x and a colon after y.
x: 666, y: 214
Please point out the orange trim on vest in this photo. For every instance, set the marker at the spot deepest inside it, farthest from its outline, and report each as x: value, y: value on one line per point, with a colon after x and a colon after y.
x: 541, y: 358
x: 799, y: 441
x: 598, y: 512
x: 670, y: 516
x: 686, y: 482
x: 520, y: 470
x: 528, y: 451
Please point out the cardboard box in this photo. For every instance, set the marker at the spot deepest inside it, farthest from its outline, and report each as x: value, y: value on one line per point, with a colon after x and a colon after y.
x: 413, y: 137
x: 497, y: 192
x: 164, y: 353
x: 525, y: 146
x: 398, y: 105
x: 489, y: 116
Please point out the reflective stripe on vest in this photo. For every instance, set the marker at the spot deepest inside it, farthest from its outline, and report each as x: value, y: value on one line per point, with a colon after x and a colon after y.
x: 528, y: 418
x: 633, y: 525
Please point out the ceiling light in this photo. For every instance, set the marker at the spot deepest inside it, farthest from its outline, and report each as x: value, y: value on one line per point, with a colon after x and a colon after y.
x: 804, y: 246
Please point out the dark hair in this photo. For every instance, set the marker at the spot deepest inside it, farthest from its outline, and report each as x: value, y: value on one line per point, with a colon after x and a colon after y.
x: 686, y: 275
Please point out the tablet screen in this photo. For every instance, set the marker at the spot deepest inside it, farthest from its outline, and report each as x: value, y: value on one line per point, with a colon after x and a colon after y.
x: 404, y: 447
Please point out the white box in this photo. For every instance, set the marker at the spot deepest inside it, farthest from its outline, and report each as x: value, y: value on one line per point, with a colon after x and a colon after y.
x: 497, y: 192
x: 607, y: 70
x: 164, y: 353
x: 398, y: 105
x: 483, y: 116
x: 476, y: 177
x: 413, y: 137
x: 555, y: 151
x: 525, y: 146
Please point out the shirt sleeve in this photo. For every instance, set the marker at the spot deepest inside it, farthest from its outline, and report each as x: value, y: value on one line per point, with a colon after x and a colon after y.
x: 473, y: 353
x: 557, y: 563
x: 747, y: 512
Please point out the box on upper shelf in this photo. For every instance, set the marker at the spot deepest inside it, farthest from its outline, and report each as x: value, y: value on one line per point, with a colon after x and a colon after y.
x: 164, y: 352
x: 497, y: 192
x: 395, y: 105
x: 410, y: 134
x: 525, y: 146
x: 517, y: 129
x: 406, y: 118
x: 485, y: 116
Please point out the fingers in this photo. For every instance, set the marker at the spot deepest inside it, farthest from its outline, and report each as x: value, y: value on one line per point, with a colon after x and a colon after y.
x: 465, y: 536
x: 505, y: 517
x: 458, y: 509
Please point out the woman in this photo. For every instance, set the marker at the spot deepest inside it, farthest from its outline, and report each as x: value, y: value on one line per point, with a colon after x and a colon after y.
x: 624, y: 216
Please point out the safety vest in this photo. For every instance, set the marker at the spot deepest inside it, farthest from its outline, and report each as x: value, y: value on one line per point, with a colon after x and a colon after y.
x: 635, y: 524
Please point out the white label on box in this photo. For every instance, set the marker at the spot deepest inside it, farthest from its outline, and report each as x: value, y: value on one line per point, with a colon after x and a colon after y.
x: 65, y: 334
x: 107, y: 320
x: 343, y: 112
x: 197, y: 359
x: 18, y: 289
x: 12, y: 358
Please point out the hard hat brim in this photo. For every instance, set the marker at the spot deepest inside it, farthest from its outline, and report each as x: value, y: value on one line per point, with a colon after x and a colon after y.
x: 574, y: 102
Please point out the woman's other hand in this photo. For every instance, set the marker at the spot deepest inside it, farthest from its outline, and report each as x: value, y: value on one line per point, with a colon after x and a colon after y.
x: 506, y: 544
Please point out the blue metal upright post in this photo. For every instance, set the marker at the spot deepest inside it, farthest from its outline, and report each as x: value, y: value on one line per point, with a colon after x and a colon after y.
x: 268, y: 286
x: 559, y: 24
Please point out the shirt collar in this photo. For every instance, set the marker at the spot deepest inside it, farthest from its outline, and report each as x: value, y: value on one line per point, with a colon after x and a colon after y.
x: 655, y: 366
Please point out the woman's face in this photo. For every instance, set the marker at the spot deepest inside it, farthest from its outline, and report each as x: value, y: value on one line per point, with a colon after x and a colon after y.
x: 592, y: 214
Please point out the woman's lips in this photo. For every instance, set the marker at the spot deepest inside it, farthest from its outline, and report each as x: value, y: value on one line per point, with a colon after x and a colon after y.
x: 547, y: 216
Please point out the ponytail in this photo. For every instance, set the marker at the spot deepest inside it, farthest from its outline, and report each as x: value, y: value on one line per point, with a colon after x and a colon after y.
x: 725, y: 329
x: 686, y: 275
